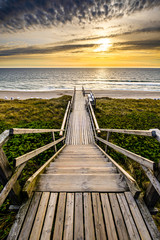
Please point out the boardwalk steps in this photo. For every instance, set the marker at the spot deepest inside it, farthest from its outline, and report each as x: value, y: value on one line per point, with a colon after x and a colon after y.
x: 82, y: 195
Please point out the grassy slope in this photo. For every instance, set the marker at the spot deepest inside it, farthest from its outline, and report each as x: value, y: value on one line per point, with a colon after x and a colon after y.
x: 28, y: 114
x: 131, y: 114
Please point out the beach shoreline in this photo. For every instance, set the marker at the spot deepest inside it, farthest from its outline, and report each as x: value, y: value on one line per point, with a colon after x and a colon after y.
x: 122, y: 94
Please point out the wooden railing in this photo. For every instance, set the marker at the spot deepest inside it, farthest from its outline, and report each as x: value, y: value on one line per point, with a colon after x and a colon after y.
x: 151, y: 169
x: 12, y: 188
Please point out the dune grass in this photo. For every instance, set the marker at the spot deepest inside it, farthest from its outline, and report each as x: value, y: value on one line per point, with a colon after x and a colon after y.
x: 31, y: 113
x: 131, y: 114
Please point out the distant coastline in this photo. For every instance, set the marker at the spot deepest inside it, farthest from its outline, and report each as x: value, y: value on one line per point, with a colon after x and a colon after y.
x: 122, y: 94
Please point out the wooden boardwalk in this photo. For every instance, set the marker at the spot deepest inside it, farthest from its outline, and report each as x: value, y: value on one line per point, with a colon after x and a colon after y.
x: 81, y: 195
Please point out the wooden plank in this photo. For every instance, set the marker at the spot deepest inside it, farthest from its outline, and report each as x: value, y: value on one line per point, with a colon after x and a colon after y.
x: 152, y: 178
x: 118, y: 218
x: 4, y: 137
x: 148, y: 219
x: 78, y: 220
x: 83, y: 182
x: 24, y: 158
x: 50, y: 214
x: 81, y: 164
x: 16, y: 227
x: 132, y: 184
x: 38, y: 222
x: 69, y: 217
x: 108, y: 217
x: 126, y: 131
x: 132, y: 230
x: 28, y: 130
x: 143, y: 161
x: 94, y: 117
x: 98, y: 217
x: 88, y: 217
x: 5, y: 167
x: 64, y: 119
x: 143, y: 231
x: 29, y: 185
x: 29, y: 219
x: 55, y: 147
x: 6, y: 190
x: 59, y: 221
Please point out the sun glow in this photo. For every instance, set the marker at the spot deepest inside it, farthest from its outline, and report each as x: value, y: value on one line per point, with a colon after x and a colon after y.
x: 104, y: 45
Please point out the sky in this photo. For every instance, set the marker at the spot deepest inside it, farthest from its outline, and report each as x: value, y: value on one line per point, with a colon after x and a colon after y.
x: 79, y: 33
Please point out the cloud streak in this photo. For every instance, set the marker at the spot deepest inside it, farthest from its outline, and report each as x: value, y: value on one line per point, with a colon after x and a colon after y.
x: 16, y: 15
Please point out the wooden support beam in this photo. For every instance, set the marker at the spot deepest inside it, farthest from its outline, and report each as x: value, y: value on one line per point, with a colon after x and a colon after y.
x: 64, y: 119
x: 24, y: 158
x: 152, y: 179
x: 29, y: 185
x: 107, y: 139
x: 27, y: 130
x: 156, y: 134
x: 6, y: 190
x: 126, y: 131
x: 151, y: 196
x: 143, y: 161
x: 4, y: 137
x: 132, y: 184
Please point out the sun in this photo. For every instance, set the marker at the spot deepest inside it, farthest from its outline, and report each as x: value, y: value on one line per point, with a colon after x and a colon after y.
x: 104, y: 45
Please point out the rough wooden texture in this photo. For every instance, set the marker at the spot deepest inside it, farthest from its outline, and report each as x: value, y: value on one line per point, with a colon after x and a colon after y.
x: 78, y: 219
x: 88, y: 217
x: 69, y: 217
x: 27, y: 130
x: 64, y: 119
x: 6, y: 190
x: 143, y: 161
x: 156, y: 133
x: 79, y: 129
x: 126, y: 131
x: 24, y: 158
x: 4, y: 166
x: 4, y: 137
x: 29, y: 186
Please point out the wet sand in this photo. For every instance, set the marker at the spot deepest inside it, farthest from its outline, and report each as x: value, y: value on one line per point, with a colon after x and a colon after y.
x: 98, y: 93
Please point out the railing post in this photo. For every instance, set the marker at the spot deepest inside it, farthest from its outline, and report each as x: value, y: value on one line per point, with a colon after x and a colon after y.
x: 107, y: 139
x: 55, y: 146
x: 151, y: 196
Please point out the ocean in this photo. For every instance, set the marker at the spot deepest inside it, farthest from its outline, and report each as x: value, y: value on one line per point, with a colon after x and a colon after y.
x: 45, y: 79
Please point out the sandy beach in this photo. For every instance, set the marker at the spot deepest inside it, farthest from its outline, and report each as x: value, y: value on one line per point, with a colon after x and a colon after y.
x: 8, y: 95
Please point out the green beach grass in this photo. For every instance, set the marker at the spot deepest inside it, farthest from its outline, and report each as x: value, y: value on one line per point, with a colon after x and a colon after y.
x: 31, y: 113
x: 131, y: 114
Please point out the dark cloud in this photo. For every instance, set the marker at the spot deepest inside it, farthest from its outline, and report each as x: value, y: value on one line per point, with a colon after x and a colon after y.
x: 22, y: 14
x: 137, y: 45
x: 43, y: 49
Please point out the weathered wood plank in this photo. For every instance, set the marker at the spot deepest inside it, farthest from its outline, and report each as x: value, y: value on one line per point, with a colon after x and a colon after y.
x: 78, y: 221
x: 29, y: 219
x: 6, y: 190
x: 27, y: 130
x: 98, y: 217
x: 130, y: 181
x: 88, y: 217
x: 119, y: 222
x: 29, y: 185
x: 85, y: 182
x: 4, y: 137
x: 69, y: 217
x: 148, y: 219
x: 132, y: 230
x: 24, y: 158
x: 59, y: 221
x: 50, y: 214
x: 94, y: 117
x: 81, y: 164
x: 4, y: 165
x: 143, y: 161
x: 38, y: 222
x: 143, y: 231
x: 108, y: 217
x: 16, y: 227
x: 126, y: 131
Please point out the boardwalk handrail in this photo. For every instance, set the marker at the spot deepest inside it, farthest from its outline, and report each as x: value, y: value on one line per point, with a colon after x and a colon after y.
x: 94, y: 117
x: 24, y: 158
x: 30, y: 130
x: 128, y: 131
x: 65, y: 118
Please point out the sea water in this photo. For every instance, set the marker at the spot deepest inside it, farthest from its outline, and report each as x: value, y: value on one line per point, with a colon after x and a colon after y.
x: 42, y: 79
